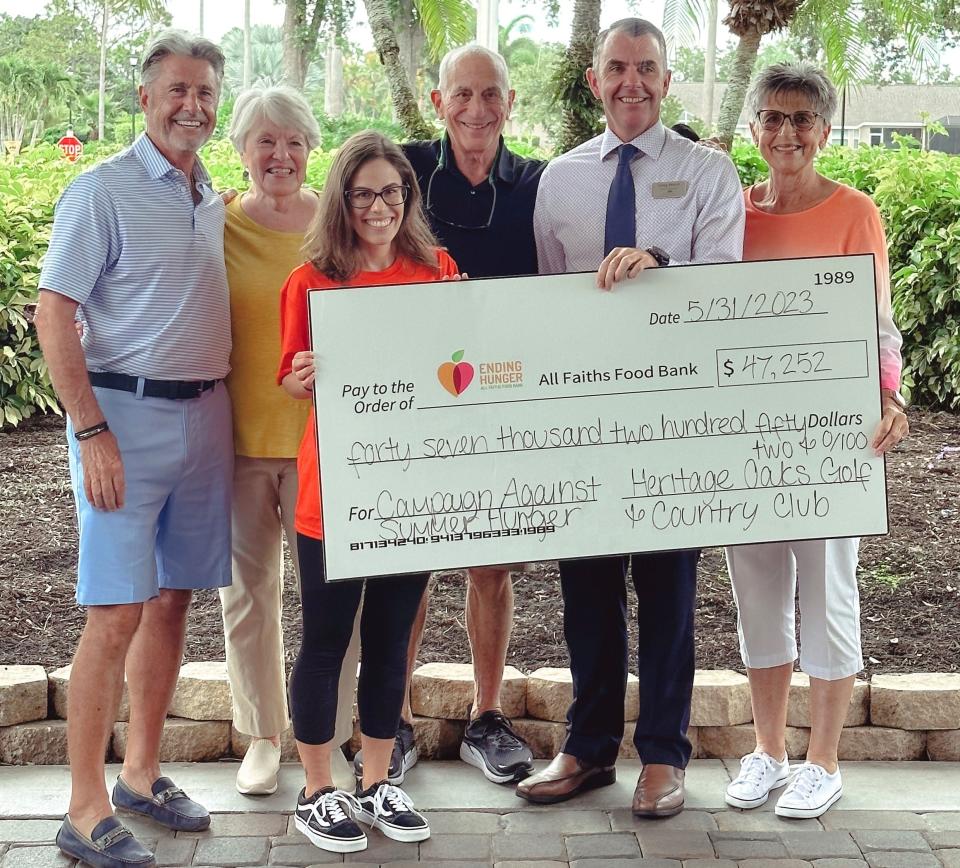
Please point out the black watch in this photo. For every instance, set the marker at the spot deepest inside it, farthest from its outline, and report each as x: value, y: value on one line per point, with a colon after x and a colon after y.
x: 660, y: 255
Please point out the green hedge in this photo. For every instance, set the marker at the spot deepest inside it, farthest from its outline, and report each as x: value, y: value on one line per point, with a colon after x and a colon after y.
x: 917, y: 193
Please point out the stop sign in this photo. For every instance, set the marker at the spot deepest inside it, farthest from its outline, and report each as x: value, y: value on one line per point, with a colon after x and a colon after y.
x: 70, y: 146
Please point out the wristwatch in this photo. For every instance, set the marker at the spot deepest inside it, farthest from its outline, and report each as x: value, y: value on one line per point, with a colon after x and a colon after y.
x: 660, y: 255
x: 896, y: 397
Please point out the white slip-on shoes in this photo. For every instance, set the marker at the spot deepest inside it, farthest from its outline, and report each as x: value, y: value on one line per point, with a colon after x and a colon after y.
x: 258, y: 772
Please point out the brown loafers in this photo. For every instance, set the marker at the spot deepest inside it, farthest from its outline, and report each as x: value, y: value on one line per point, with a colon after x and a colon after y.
x: 564, y: 778
x: 659, y: 791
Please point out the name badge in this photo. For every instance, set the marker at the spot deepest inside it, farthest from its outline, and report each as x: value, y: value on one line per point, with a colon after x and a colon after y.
x: 670, y: 189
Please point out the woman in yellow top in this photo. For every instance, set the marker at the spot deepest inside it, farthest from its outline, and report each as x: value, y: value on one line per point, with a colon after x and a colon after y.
x: 274, y: 131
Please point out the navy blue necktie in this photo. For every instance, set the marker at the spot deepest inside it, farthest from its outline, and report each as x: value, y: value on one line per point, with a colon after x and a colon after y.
x: 620, y: 229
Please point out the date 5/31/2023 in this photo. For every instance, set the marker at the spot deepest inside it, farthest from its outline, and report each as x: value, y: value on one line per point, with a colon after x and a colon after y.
x: 760, y: 305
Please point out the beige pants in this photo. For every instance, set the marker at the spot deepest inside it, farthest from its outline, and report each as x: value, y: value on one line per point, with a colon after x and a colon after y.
x: 264, y: 497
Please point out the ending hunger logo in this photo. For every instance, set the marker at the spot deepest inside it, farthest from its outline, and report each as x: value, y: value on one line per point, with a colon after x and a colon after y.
x: 456, y: 374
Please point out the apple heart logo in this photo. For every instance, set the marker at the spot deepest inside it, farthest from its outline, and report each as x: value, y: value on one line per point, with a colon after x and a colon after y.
x: 456, y: 374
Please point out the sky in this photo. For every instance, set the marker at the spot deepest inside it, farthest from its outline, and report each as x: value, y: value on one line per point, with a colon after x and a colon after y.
x: 222, y: 15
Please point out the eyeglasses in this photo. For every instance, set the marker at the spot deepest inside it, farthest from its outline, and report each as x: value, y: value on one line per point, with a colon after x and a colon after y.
x: 361, y: 197
x: 431, y: 209
x: 772, y: 121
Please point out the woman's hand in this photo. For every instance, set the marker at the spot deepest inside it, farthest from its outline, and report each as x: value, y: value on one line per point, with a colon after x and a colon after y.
x: 463, y: 276
x: 892, y: 429
x: 299, y: 382
x: 621, y: 263
x: 304, y: 369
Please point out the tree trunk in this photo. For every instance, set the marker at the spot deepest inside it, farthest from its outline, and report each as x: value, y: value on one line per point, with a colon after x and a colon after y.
x: 333, y: 87
x: 710, y: 64
x: 247, y: 46
x: 404, y: 102
x: 578, y: 104
x: 410, y: 39
x: 743, y: 62
x: 488, y: 24
x: 102, y: 93
x: 293, y: 15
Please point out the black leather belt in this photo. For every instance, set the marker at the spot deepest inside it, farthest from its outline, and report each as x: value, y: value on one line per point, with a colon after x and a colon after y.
x: 176, y: 390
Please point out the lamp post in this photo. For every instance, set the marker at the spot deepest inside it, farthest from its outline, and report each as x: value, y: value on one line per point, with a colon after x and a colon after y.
x: 133, y: 91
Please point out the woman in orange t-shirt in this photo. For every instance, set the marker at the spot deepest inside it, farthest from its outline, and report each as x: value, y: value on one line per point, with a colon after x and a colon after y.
x: 370, y: 230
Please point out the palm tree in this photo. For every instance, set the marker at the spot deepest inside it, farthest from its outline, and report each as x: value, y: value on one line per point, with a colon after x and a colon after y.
x: 581, y: 116
x: 839, y: 25
x: 385, y: 39
x: 682, y: 21
x: 247, y: 46
x: 521, y: 49
x: 153, y: 8
x: 445, y: 24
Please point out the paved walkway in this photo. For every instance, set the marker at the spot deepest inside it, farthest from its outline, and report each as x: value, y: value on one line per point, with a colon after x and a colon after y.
x: 893, y: 815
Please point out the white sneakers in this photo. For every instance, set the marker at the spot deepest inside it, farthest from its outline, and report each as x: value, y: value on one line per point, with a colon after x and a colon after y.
x: 811, y: 792
x: 258, y: 772
x: 759, y: 773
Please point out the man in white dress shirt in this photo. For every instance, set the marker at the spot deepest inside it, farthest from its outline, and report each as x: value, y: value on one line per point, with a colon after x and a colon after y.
x: 637, y: 196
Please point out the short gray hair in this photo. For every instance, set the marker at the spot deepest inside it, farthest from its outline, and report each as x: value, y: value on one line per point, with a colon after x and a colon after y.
x: 455, y: 55
x: 632, y: 27
x: 280, y: 105
x: 801, y: 78
x: 182, y: 44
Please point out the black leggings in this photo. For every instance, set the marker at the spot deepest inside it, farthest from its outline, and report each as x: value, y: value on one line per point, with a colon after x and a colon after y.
x: 390, y: 606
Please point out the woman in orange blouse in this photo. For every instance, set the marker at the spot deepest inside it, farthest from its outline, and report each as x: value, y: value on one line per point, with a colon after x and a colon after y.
x: 798, y: 212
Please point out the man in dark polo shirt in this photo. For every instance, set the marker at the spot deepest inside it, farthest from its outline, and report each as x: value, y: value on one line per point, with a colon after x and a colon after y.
x: 478, y: 195
x: 479, y: 198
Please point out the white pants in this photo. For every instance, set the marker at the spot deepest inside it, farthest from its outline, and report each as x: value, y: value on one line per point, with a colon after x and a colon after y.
x: 766, y: 578
x: 264, y: 497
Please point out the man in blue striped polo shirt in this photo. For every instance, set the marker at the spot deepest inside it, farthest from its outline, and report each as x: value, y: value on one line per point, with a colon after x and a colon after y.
x: 137, y: 246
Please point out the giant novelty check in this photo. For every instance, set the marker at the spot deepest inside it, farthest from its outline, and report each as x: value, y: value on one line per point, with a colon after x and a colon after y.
x: 503, y: 420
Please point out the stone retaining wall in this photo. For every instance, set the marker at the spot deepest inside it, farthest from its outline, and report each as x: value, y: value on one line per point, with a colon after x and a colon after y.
x: 895, y: 717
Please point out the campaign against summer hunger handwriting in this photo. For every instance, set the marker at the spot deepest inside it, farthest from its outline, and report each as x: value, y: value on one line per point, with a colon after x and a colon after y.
x: 517, y: 419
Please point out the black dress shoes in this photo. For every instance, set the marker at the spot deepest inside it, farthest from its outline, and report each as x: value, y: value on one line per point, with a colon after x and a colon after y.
x: 564, y: 778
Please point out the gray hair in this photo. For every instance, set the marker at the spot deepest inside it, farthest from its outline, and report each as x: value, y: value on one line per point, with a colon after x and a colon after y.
x: 632, y: 27
x: 281, y: 105
x: 182, y: 44
x: 801, y: 78
x: 454, y: 55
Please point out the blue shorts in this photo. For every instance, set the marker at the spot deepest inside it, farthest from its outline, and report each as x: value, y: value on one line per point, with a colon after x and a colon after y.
x: 174, y: 528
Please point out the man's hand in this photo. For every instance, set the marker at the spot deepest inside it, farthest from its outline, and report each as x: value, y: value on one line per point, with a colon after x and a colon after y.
x: 103, y: 480
x: 893, y: 427
x: 621, y: 263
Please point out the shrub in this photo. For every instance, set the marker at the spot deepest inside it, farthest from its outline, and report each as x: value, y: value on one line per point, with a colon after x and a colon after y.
x: 29, y: 188
x: 918, y: 194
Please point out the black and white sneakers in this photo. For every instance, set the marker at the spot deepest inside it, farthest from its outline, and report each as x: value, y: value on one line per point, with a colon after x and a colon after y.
x: 403, y: 758
x: 389, y: 809
x: 490, y: 744
x: 326, y: 818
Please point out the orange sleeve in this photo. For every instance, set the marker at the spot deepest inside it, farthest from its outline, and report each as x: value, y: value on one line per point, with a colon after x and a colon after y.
x: 446, y: 265
x: 294, y: 320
